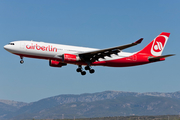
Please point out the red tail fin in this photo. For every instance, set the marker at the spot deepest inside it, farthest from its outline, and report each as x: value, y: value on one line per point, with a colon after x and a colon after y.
x: 155, y: 47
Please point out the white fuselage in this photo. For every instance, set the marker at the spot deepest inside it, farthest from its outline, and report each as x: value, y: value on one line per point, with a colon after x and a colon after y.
x: 52, y: 51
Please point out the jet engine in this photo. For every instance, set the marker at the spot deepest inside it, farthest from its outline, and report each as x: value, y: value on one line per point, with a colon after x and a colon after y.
x: 54, y: 63
x: 70, y: 58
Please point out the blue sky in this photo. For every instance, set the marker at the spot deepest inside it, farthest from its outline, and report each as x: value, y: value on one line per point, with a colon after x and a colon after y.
x: 96, y: 24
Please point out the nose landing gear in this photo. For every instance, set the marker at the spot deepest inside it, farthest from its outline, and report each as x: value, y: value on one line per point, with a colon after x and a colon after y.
x: 21, y: 61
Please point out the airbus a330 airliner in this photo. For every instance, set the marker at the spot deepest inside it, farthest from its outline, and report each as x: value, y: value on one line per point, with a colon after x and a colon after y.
x: 61, y: 55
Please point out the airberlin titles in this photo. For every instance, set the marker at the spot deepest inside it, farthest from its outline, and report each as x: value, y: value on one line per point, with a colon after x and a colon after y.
x: 43, y: 48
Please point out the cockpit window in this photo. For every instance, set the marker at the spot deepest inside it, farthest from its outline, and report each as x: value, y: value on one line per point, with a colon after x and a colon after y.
x: 11, y: 44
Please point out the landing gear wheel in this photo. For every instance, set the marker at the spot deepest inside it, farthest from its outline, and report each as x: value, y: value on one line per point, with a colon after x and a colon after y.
x: 22, y: 61
x: 87, y: 68
x: 78, y: 70
x: 83, y: 73
x: 91, y: 71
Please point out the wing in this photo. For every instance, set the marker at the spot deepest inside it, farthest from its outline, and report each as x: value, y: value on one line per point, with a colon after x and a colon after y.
x: 95, y: 55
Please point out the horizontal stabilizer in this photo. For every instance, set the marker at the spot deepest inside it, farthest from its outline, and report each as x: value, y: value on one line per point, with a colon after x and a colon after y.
x: 159, y: 58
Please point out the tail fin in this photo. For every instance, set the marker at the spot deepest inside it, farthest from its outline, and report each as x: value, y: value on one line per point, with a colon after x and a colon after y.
x: 155, y: 47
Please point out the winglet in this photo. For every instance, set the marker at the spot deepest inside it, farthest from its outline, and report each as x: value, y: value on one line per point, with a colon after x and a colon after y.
x: 138, y: 41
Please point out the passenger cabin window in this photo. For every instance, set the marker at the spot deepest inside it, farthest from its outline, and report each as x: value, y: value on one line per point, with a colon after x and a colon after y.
x: 11, y: 43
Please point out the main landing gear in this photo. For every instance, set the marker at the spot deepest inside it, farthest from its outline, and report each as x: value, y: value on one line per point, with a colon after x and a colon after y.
x: 80, y: 69
x: 21, y: 61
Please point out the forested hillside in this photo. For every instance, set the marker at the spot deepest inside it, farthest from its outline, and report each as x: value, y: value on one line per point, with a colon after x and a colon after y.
x: 102, y: 104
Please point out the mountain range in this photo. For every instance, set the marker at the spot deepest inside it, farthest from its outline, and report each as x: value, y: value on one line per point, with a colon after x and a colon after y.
x: 88, y: 105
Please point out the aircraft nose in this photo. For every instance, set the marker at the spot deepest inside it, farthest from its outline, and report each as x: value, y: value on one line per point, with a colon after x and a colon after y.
x: 5, y: 47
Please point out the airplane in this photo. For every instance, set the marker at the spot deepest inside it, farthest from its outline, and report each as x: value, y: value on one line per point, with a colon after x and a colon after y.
x: 60, y: 55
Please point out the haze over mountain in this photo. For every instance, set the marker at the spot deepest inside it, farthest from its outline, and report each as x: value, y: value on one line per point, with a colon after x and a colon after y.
x: 102, y: 104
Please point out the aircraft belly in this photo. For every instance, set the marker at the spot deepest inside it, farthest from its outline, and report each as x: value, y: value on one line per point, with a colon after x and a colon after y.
x: 31, y: 53
x: 121, y: 62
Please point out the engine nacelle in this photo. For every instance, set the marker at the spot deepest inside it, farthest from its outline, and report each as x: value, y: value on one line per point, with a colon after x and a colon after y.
x: 54, y: 63
x: 70, y: 58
